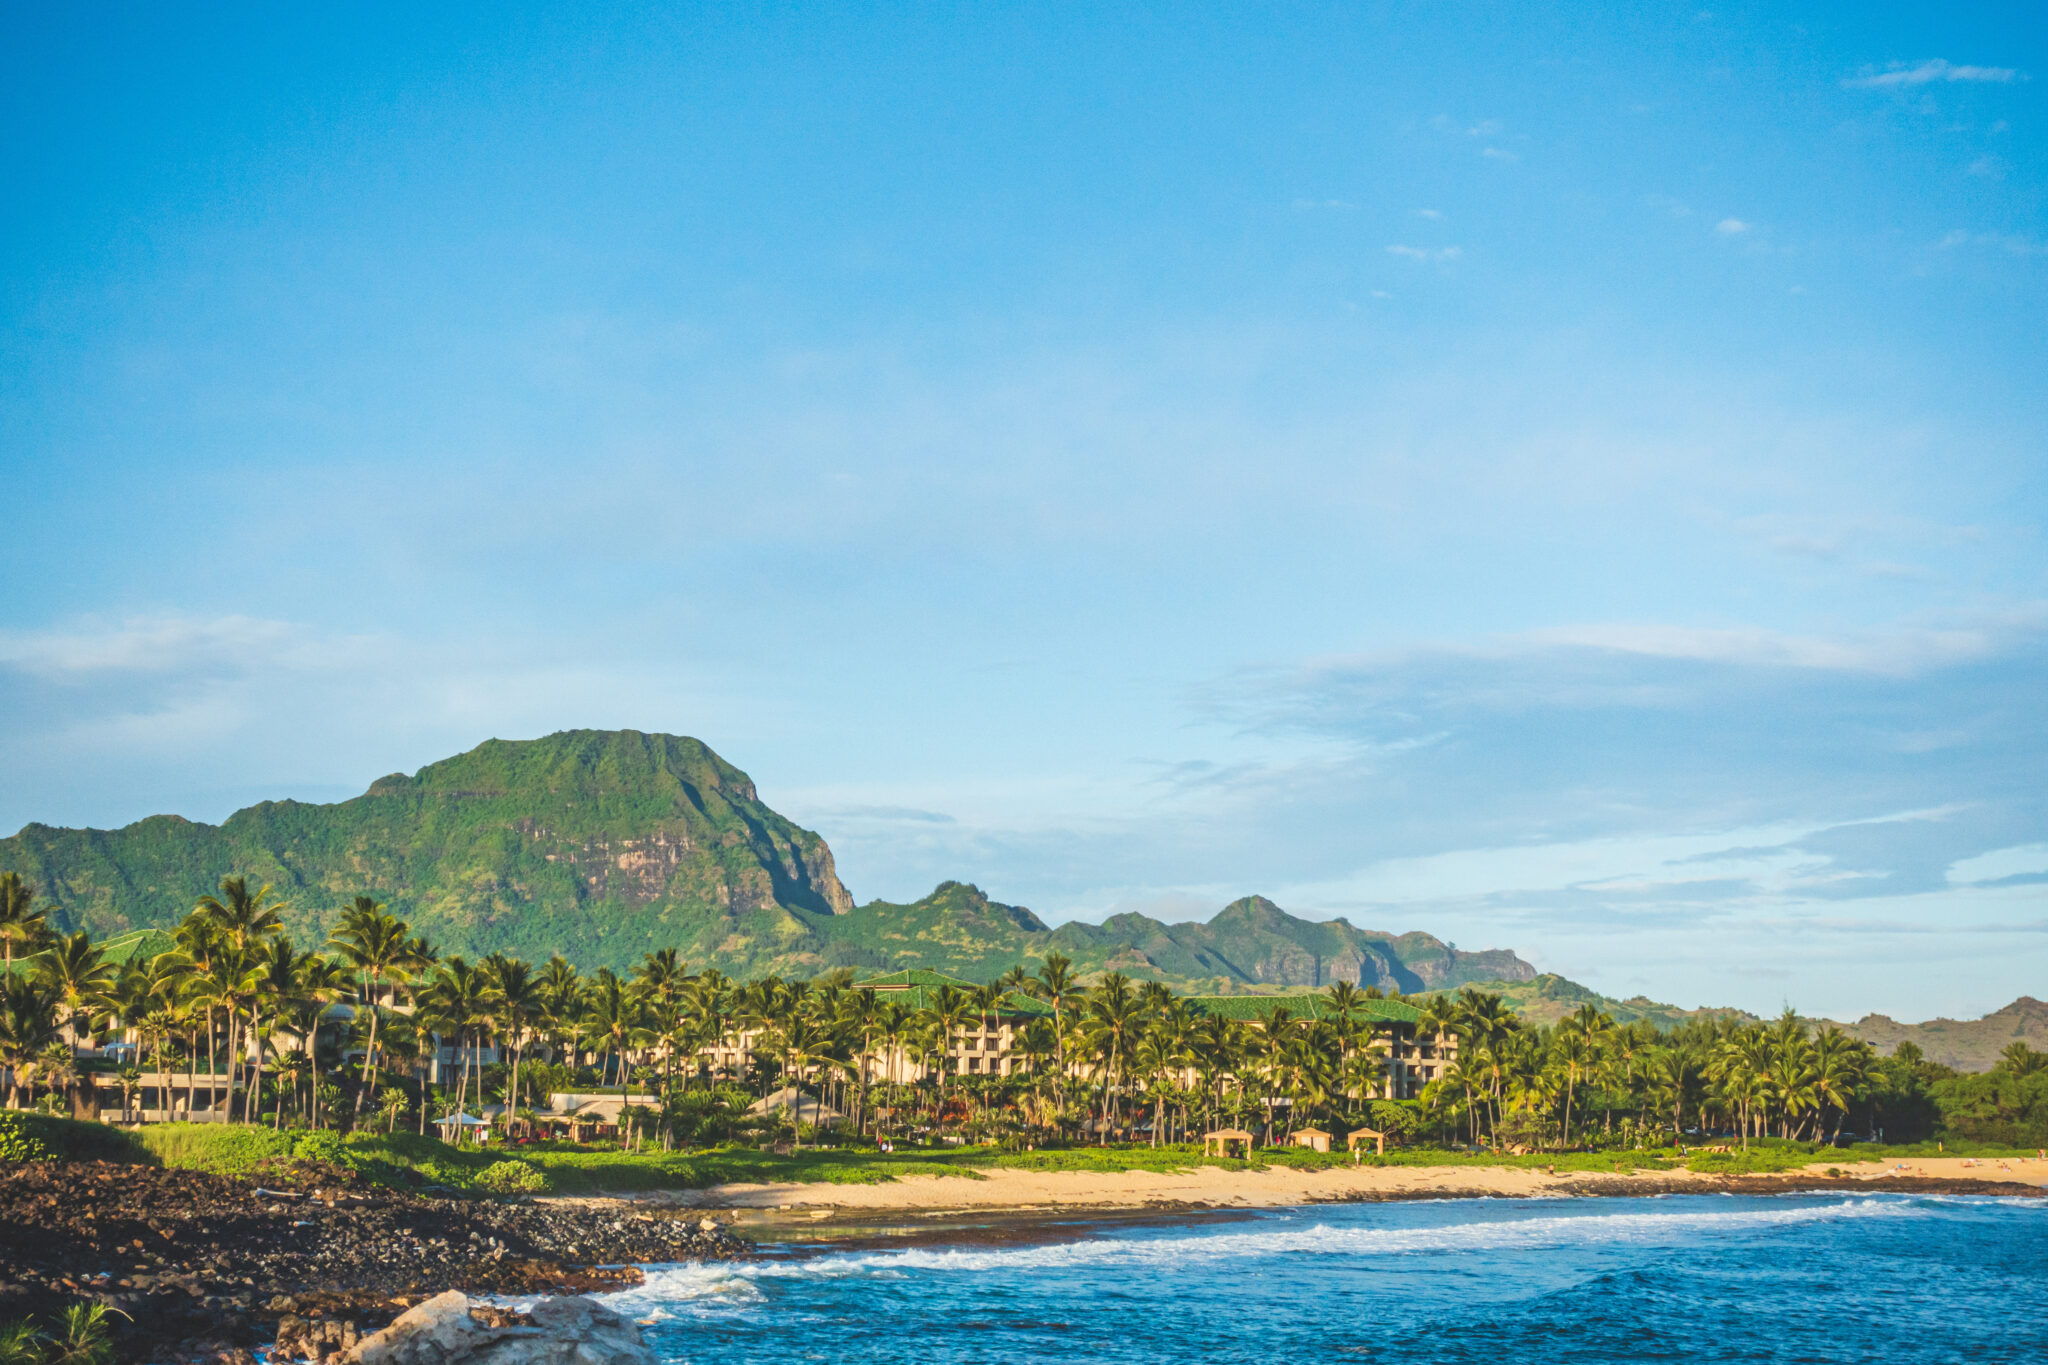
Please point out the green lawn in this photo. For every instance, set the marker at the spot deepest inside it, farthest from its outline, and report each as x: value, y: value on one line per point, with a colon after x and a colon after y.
x: 406, y: 1158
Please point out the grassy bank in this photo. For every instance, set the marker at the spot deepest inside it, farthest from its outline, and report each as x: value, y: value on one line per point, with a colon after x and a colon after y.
x: 410, y: 1160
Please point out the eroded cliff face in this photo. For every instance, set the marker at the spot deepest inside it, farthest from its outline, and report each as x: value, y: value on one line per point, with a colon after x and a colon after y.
x: 673, y: 863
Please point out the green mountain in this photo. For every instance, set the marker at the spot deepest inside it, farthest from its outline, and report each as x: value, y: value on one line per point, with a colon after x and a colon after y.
x: 599, y: 844
x: 603, y: 845
x: 1548, y: 998
x: 1249, y: 944
x: 1965, y: 1044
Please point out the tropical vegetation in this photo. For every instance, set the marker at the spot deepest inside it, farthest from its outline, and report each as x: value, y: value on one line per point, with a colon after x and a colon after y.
x: 374, y: 1030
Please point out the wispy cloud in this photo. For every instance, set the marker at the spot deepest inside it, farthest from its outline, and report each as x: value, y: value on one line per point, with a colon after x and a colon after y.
x: 1890, y: 652
x: 1437, y: 254
x: 2021, y: 860
x: 1731, y: 227
x: 2011, y: 243
x: 1927, y: 73
x: 157, y: 644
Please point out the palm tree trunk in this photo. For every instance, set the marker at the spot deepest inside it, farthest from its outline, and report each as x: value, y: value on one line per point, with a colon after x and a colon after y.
x: 370, y: 1053
x: 212, y: 1089
x: 252, y: 1106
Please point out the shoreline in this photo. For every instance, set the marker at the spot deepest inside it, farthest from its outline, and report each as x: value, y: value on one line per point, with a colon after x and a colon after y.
x: 1001, y: 1191
x: 206, y: 1266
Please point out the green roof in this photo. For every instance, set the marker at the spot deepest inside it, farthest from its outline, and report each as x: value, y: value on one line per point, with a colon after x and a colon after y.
x: 1315, y: 1006
x: 139, y: 944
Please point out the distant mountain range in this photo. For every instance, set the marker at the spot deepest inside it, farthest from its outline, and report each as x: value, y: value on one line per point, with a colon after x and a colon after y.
x: 603, y: 845
x: 1965, y: 1044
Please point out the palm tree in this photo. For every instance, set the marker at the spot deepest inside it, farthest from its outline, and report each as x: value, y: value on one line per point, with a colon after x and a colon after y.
x: 1114, y: 1018
x: 282, y: 974
x: 860, y: 1016
x: 614, y: 1019
x: 30, y: 1020
x: 1056, y: 986
x: 946, y: 1016
x: 894, y: 1027
x: 323, y: 981
x: 454, y: 1004
x: 1742, y: 1067
x: 1840, y: 1066
x: 662, y: 980
x: 241, y: 915
x: 561, y: 1003
x: 518, y: 1003
x: 806, y: 1041
x: 231, y: 980
x: 2020, y: 1060
x: 379, y: 947
x: 77, y: 970
x: 130, y: 1081
x: 22, y: 926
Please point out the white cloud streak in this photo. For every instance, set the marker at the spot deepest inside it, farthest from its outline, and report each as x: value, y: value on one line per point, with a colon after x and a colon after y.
x: 1927, y: 73
x: 1439, y: 255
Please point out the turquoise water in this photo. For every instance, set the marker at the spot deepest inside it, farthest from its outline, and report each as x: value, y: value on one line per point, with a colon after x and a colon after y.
x: 1713, y: 1279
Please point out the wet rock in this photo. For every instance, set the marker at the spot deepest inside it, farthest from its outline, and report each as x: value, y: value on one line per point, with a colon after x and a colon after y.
x: 557, y: 1331
x: 223, y: 1268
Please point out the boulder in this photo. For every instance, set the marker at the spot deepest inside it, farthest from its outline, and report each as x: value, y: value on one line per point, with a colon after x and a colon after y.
x: 555, y: 1331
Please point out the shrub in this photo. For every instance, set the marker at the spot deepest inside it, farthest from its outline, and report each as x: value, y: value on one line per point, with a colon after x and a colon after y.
x: 39, y: 1137
x: 223, y: 1148
x: 319, y: 1144
x: 18, y: 1141
x: 511, y: 1177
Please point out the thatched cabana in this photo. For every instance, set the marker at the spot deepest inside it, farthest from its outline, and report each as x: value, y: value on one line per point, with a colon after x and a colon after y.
x: 1379, y: 1139
x: 1313, y: 1138
x: 1217, y: 1142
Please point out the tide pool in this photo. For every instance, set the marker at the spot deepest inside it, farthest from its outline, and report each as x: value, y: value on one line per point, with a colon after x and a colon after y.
x: 1814, y: 1278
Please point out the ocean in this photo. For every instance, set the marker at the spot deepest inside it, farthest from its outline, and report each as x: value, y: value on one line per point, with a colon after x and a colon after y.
x: 1715, y: 1279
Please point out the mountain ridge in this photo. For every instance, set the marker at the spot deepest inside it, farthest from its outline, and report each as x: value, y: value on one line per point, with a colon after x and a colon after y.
x: 607, y: 844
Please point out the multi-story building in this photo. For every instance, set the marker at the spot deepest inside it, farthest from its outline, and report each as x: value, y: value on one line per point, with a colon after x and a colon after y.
x: 1412, y: 1060
x: 991, y: 1045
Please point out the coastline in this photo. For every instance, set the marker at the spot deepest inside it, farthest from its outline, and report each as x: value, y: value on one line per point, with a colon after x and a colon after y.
x: 1007, y: 1191
x: 205, y: 1267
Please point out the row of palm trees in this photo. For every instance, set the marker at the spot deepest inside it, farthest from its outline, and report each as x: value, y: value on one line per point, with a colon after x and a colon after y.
x: 1112, y: 1056
x: 1510, y: 1081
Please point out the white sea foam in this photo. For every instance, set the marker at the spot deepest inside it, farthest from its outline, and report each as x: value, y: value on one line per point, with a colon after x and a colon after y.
x: 698, y: 1289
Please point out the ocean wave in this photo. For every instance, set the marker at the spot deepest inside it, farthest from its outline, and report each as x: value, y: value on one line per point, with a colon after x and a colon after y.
x: 696, y: 1289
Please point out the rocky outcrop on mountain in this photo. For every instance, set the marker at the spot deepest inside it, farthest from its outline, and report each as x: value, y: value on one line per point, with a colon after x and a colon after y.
x: 1965, y: 1044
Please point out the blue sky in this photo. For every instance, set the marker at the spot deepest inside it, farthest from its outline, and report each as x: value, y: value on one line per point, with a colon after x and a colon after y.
x: 1570, y: 482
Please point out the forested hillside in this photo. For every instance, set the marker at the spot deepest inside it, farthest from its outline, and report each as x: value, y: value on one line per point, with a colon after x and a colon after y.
x: 606, y: 845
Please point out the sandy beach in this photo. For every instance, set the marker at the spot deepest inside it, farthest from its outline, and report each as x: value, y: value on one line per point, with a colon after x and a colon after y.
x: 1215, y: 1187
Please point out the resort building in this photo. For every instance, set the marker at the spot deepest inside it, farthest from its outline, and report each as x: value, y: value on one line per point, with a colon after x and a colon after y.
x: 1413, y: 1060
x: 987, y: 1044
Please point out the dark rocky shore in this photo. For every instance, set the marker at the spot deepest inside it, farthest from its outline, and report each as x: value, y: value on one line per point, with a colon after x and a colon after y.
x: 207, y: 1266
